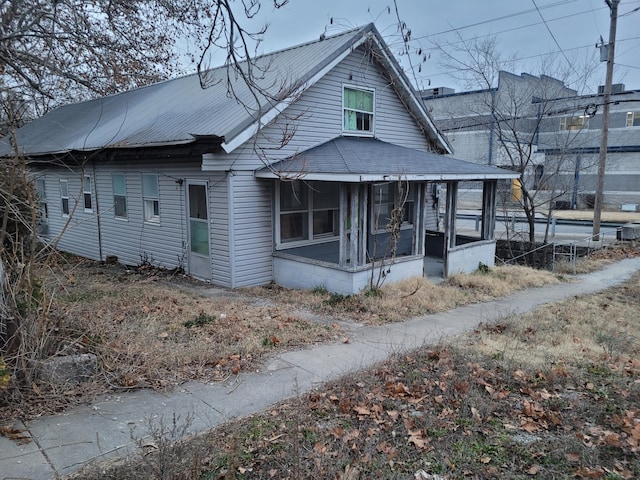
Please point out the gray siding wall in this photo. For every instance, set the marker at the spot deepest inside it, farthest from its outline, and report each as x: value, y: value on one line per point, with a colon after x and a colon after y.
x: 253, y: 233
x: 317, y: 118
x: 79, y: 227
x: 241, y: 207
x: 132, y: 240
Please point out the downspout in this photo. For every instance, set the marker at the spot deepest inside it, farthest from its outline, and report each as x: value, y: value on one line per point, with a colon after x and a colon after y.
x: 232, y: 226
x: 95, y: 188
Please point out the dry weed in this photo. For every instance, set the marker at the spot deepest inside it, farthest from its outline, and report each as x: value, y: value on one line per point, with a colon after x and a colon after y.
x: 415, y: 296
x: 151, y: 333
x: 601, y: 327
x: 502, y: 281
x: 457, y: 411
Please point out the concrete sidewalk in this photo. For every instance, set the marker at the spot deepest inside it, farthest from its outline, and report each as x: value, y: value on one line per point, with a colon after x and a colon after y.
x: 62, y: 444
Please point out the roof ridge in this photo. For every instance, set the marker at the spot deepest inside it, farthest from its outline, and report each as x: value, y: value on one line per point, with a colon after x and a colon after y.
x: 222, y: 66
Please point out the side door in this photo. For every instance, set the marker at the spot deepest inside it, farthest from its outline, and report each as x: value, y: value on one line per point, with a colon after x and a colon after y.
x: 199, y: 255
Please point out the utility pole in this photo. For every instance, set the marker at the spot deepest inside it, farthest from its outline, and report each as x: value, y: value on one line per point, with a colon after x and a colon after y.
x: 602, y: 159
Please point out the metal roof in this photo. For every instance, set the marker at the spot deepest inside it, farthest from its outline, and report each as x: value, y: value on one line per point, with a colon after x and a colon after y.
x: 173, y: 111
x: 361, y: 159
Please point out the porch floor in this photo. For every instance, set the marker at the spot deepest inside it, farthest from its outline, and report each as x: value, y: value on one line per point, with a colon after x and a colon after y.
x: 434, y: 269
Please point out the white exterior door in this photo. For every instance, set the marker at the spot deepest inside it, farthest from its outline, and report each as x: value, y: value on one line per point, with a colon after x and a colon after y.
x: 199, y: 238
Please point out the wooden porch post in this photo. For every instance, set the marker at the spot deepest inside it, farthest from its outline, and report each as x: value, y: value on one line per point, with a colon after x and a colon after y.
x: 353, y: 231
x: 418, y: 219
x: 363, y: 224
x: 343, y: 237
x: 489, y: 189
x: 450, y: 223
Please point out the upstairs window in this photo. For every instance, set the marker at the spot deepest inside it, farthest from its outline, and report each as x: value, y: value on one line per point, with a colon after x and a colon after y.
x: 119, y: 184
x: 150, y: 201
x: 633, y: 119
x: 64, y: 196
x: 86, y: 191
x: 574, y: 123
x: 358, y: 110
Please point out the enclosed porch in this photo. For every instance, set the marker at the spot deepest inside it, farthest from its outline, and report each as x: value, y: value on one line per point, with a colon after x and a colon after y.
x: 348, y: 231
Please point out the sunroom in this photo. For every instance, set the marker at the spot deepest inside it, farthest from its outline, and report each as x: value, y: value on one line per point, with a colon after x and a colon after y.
x: 355, y: 212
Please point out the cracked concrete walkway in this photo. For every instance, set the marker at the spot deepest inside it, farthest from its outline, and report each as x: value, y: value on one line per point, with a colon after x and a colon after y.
x: 62, y: 444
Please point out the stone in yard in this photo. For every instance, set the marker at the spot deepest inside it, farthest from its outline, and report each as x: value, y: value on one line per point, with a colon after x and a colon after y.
x: 70, y: 369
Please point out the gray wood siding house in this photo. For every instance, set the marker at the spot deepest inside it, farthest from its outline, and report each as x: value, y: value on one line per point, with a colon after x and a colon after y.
x: 298, y: 190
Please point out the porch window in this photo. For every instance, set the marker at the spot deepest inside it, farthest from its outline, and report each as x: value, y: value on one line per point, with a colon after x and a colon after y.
x: 64, y: 196
x: 308, y: 210
x: 326, y: 208
x: 387, y: 197
x: 119, y: 183
x: 358, y: 110
x: 86, y: 193
x: 151, y: 204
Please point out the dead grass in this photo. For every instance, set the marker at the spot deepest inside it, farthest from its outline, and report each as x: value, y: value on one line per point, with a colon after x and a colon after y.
x: 150, y: 333
x: 154, y: 329
x: 596, y: 328
x: 412, y: 297
x: 598, y: 259
x: 151, y: 329
x: 551, y: 394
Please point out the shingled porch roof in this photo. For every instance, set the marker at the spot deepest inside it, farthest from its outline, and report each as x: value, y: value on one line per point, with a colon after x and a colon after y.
x: 363, y: 159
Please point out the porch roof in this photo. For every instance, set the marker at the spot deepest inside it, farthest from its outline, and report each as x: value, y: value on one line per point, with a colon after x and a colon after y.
x: 364, y: 159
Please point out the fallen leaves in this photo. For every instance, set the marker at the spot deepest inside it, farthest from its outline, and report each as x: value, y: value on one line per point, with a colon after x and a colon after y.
x: 18, y: 435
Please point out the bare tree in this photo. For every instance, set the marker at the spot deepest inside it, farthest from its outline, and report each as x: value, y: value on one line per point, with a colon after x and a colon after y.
x: 513, y: 110
x: 55, y: 52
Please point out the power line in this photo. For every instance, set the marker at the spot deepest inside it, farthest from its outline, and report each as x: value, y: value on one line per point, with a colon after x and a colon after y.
x: 521, y: 27
x: 540, y: 55
x: 496, y: 19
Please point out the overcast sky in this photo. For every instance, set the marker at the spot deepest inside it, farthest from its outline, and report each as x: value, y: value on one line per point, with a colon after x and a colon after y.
x: 570, y: 28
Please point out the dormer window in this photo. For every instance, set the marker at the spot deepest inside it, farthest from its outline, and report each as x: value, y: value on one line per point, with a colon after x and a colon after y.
x: 358, y: 110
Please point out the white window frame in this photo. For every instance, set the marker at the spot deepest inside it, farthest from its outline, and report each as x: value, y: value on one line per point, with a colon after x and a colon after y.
x: 308, y: 211
x: 86, y: 194
x: 64, y: 197
x: 633, y: 119
x: 150, y: 200
x: 119, y: 195
x: 573, y: 123
x: 407, y: 220
x: 365, y: 133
